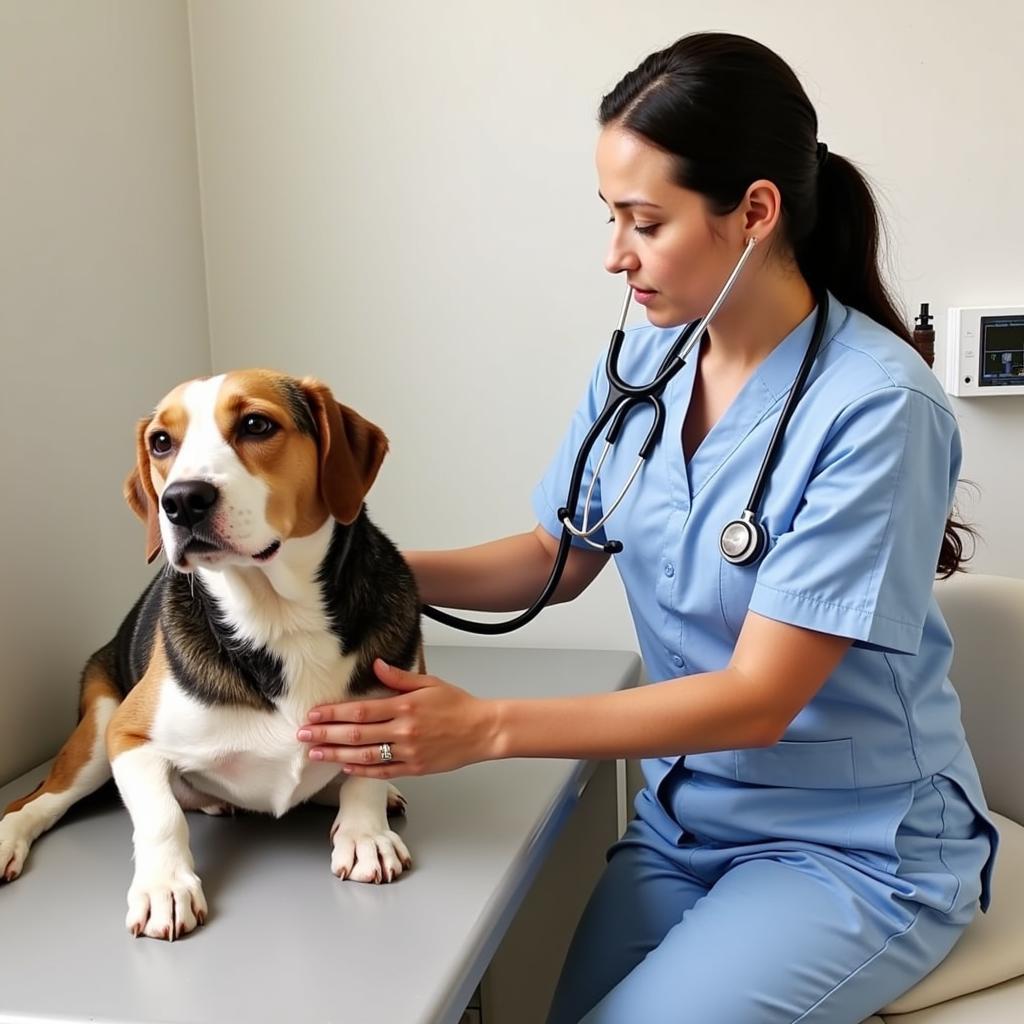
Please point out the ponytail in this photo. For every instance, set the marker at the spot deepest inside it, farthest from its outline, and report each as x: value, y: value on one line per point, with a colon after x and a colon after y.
x: 841, y: 254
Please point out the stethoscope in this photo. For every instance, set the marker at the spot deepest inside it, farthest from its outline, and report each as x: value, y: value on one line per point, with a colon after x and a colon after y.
x: 742, y: 541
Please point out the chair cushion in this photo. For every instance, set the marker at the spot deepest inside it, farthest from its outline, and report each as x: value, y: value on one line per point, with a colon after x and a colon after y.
x: 1002, y: 1004
x: 991, y: 949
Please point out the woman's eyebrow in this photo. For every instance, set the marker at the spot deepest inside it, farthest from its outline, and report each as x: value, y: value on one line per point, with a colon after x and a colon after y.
x: 625, y: 204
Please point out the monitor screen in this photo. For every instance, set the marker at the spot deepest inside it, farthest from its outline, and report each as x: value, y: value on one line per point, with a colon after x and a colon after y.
x: 1001, y: 361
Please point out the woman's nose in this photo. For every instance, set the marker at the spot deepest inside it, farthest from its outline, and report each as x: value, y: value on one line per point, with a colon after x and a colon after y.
x: 620, y: 257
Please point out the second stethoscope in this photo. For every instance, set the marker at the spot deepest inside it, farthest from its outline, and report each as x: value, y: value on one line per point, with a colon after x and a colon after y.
x: 742, y: 540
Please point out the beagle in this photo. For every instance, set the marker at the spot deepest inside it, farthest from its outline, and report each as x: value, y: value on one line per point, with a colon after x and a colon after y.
x: 277, y: 595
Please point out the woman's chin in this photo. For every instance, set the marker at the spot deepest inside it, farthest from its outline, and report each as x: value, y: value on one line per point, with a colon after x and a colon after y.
x: 666, y: 318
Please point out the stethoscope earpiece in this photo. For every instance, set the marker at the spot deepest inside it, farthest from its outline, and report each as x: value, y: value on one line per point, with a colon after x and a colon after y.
x: 743, y: 540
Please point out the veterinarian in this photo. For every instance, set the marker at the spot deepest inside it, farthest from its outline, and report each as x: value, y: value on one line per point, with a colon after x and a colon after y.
x: 812, y: 838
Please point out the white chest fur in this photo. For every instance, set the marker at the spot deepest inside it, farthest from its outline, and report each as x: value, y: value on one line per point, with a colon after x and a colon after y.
x: 251, y: 757
x: 248, y: 757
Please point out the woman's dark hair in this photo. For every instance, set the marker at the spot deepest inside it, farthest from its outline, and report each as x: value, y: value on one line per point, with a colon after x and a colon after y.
x: 730, y: 111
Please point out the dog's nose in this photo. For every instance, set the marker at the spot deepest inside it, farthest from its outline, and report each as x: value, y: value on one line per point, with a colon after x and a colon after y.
x: 188, y: 502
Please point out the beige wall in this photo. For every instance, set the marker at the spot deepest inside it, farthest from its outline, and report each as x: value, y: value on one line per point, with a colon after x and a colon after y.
x: 103, y: 309
x: 401, y: 198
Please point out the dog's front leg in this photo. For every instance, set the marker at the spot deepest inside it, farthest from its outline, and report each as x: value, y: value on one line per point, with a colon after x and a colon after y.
x: 365, y: 848
x: 165, y: 899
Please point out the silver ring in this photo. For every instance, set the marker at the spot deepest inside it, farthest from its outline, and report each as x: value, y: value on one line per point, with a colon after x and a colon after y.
x: 385, y: 752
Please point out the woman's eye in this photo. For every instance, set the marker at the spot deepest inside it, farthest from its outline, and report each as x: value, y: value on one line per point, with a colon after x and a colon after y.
x: 640, y: 229
x: 255, y: 425
x: 160, y: 443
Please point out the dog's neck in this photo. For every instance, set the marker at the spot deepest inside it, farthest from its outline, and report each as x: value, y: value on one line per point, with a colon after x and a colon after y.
x: 285, y: 596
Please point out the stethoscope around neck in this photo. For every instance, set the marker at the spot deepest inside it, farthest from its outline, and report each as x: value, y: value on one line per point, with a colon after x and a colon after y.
x: 742, y: 541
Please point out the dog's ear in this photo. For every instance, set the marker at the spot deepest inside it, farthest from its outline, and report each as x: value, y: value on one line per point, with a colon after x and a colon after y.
x: 140, y: 495
x: 351, y: 451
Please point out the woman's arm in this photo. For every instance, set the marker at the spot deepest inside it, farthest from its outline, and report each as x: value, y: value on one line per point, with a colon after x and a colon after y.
x: 502, y: 575
x: 774, y: 671
x: 433, y: 726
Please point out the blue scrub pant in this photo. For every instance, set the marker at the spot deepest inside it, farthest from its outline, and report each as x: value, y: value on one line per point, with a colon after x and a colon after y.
x: 771, y: 932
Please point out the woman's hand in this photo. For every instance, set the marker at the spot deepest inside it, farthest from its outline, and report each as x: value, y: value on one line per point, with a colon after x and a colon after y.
x: 430, y: 726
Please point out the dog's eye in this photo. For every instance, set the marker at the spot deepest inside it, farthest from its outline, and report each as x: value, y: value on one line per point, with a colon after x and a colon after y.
x: 160, y: 443
x: 255, y: 425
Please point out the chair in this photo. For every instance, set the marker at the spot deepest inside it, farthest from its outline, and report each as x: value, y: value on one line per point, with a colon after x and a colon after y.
x: 982, y: 979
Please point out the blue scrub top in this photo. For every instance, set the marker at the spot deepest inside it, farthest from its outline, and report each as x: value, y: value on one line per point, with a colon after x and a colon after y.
x: 855, y: 510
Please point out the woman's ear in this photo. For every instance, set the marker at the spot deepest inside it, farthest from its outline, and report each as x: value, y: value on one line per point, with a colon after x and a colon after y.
x: 762, y: 209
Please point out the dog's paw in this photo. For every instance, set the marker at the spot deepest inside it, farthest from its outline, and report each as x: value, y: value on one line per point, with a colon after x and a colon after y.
x: 396, y: 802
x: 15, y: 840
x: 367, y: 856
x: 165, y: 904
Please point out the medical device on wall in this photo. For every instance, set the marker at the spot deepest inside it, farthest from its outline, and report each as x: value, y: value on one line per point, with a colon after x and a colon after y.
x: 985, y: 351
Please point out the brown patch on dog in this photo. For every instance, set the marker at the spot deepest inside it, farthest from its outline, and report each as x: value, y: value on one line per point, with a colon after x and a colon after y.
x: 351, y: 451
x: 19, y: 803
x: 133, y: 721
x: 287, y: 460
x: 140, y: 494
x: 308, y: 477
x: 145, y: 482
x: 170, y: 416
x: 79, y: 748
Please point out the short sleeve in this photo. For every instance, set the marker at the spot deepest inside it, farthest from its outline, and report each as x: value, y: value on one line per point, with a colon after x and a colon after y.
x: 551, y: 492
x: 860, y: 557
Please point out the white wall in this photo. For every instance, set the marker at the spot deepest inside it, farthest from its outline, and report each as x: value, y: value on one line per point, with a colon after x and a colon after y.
x: 400, y: 198
x: 103, y: 310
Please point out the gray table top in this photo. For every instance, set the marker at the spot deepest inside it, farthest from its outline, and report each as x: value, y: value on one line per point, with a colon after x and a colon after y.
x: 286, y: 941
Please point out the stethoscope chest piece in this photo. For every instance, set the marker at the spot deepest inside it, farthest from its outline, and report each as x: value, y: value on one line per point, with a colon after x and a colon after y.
x: 743, y: 540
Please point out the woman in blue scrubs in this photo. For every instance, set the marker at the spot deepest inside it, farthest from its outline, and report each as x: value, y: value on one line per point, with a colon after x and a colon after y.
x: 812, y: 838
